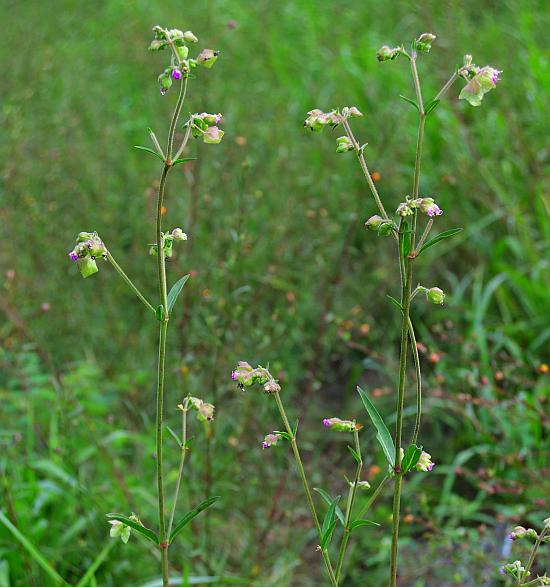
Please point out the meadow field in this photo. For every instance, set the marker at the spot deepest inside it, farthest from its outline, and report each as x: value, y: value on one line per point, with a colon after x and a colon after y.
x: 282, y: 272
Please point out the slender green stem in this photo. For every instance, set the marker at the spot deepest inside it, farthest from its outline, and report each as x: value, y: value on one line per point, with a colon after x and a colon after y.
x: 349, y: 509
x: 172, y: 131
x: 405, y: 302
x: 309, y: 497
x: 424, y: 236
x: 534, y: 551
x: 161, y: 266
x: 418, y: 372
x: 365, y: 169
x: 181, y: 465
x: 129, y: 281
x: 447, y: 85
x: 374, y: 496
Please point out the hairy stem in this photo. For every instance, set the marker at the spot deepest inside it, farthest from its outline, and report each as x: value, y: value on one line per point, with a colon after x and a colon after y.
x: 534, y: 551
x: 129, y: 281
x: 349, y: 509
x: 305, y: 483
x: 416, y: 360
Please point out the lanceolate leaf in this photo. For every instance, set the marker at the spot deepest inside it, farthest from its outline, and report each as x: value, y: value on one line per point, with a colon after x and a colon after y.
x: 442, y: 235
x: 383, y: 435
x: 141, y: 148
x: 149, y: 534
x: 183, y: 160
x: 192, y: 514
x: 431, y: 106
x: 329, y: 523
x: 358, y: 523
x: 326, y: 497
x: 175, y: 292
x: 354, y: 454
x: 394, y: 302
x: 410, y: 102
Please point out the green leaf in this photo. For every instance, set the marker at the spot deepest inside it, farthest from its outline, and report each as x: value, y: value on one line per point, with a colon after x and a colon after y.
x: 431, y: 106
x: 326, y: 497
x: 149, y: 534
x: 383, y: 436
x: 175, y: 292
x: 354, y: 454
x: 295, y: 429
x: 442, y: 235
x: 410, y: 102
x: 159, y: 312
x: 358, y: 523
x: 33, y: 551
x: 141, y: 148
x: 395, y: 302
x: 184, y: 160
x: 410, y: 458
x: 284, y: 435
x: 192, y: 514
x: 174, y: 435
x: 329, y: 523
x: 405, y: 239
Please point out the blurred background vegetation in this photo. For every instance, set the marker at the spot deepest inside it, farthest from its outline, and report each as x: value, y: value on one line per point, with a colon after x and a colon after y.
x: 282, y: 272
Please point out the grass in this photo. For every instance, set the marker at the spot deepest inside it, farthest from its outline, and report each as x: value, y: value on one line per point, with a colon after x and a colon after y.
x: 280, y: 267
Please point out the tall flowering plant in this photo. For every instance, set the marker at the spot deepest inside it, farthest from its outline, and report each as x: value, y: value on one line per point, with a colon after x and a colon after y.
x: 410, y: 229
x: 90, y: 248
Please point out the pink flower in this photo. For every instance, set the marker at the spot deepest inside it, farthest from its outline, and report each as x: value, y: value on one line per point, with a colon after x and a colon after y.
x: 176, y: 74
x: 73, y: 256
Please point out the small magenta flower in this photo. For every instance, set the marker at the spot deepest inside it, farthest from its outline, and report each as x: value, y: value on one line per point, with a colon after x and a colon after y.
x: 425, y: 463
x: 271, y: 440
x: 429, y: 207
x: 517, y: 533
x: 327, y: 423
x: 234, y: 375
x: 176, y: 74
x: 73, y: 256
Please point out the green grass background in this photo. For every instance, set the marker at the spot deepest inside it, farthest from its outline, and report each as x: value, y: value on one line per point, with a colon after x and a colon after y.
x: 282, y: 272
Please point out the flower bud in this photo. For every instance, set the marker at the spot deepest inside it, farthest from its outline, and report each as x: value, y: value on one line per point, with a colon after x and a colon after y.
x: 386, y: 53
x: 339, y: 425
x: 205, y: 411
x: 119, y: 530
x: 375, y: 222
x: 189, y: 37
x: 350, y: 112
x: 207, y: 58
x: 435, y: 295
x: 404, y: 209
x: 271, y: 440
x: 344, y: 144
x: 467, y: 60
x: 182, y: 52
x: 424, y: 462
x: 424, y: 42
x: 157, y: 45
x: 165, y: 82
x: 362, y: 485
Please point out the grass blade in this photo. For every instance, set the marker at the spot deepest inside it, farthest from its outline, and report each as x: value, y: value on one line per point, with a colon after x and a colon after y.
x: 89, y: 575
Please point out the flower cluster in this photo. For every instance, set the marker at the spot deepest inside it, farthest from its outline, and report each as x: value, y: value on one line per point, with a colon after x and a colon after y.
x: 339, y: 425
x: 425, y: 205
x: 271, y: 440
x: 168, y: 239
x: 205, y: 125
x: 317, y: 119
x: 180, y: 64
x: 87, y: 249
x: 246, y: 376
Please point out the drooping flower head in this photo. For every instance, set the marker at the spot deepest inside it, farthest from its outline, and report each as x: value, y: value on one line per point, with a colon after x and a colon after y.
x: 246, y: 376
